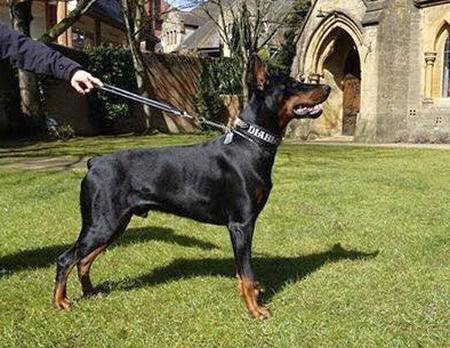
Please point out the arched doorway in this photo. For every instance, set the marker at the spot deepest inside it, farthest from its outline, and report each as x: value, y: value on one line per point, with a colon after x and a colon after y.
x: 342, y: 70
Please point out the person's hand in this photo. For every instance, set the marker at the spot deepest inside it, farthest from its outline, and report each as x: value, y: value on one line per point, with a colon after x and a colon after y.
x: 83, y: 82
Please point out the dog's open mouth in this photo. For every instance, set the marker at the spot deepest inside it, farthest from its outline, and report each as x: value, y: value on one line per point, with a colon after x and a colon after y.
x: 308, y: 111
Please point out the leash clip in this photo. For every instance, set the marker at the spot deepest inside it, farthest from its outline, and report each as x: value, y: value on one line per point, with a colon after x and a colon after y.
x: 228, y: 138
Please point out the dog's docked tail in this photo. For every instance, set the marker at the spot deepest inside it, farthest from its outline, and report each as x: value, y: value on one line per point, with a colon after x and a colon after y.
x: 90, y: 162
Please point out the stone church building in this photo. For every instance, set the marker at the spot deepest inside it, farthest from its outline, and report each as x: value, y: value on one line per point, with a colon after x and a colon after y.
x: 388, y: 62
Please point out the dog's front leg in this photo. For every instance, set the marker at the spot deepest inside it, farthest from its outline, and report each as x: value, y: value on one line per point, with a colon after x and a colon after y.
x: 241, y: 239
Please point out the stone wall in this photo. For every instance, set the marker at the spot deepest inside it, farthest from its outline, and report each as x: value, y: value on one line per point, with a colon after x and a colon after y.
x: 393, y: 72
x: 430, y: 111
x: 68, y: 108
x: 396, y: 39
x: 320, y: 52
x: 367, y: 122
x: 62, y: 102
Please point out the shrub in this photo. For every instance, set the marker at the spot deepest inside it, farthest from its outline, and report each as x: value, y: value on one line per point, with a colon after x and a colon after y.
x: 286, y: 54
x: 420, y: 136
x: 61, y: 132
x: 440, y: 136
x: 401, y: 136
x: 219, y: 76
x: 114, y: 66
x: 424, y: 136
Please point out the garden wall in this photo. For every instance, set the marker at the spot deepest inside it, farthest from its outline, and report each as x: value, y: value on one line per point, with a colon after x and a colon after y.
x: 174, y: 81
x: 173, y: 77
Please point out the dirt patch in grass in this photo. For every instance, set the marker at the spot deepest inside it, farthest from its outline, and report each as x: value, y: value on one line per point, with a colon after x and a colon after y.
x: 55, y: 163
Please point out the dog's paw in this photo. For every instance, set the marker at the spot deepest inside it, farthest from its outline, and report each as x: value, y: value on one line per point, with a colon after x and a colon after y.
x: 63, y: 304
x: 96, y: 293
x: 261, y: 313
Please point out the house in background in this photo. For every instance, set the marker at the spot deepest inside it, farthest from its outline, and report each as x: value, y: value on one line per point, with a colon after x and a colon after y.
x: 192, y: 32
x: 102, y: 26
x: 195, y: 32
x: 179, y: 25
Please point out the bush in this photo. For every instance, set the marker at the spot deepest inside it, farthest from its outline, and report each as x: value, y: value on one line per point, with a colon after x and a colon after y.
x: 423, y: 136
x: 420, y: 136
x: 286, y: 54
x: 219, y: 76
x: 440, y: 137
x: 60, y: 132
x: 402, y: 136
x: 114, y: 66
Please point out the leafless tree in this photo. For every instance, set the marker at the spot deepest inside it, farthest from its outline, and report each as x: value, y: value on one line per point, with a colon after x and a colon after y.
x: 137, y: 16
x: 245, y: 27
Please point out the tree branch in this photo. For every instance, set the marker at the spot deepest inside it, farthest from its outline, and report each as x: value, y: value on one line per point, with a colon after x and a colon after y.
x: 82, y: 7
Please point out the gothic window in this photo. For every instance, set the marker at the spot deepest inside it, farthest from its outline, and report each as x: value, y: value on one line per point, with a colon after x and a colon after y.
x: 446, y: 77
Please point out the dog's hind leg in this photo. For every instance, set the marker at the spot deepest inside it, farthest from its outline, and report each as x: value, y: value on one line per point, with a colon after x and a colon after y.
x: 84, y: 267
x: 96, y: 234
x: 91, y: 242
x: 65, y: 262
x: 64, y: 265
x: 85, y: 263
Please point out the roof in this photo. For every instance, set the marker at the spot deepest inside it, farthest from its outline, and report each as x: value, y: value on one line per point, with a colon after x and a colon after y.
x: 207, y: 36
x: 193, y: 19
x: 108, y: 8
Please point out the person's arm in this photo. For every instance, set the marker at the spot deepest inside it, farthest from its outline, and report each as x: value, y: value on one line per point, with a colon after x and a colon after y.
x: 27, y: 54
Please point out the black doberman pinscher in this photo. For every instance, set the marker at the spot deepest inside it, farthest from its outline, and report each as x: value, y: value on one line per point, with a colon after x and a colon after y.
x: 225, y: 181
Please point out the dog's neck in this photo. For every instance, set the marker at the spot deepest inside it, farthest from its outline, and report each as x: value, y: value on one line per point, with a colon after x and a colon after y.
x: 258, y: 112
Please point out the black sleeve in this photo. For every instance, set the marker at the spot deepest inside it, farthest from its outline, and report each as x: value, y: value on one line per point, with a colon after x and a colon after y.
x: 27, y: 54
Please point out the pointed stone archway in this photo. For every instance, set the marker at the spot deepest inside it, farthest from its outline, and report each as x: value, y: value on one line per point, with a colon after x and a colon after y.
x: 334, y: 56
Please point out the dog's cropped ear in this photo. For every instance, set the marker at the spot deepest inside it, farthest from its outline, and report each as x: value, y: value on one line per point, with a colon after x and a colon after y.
x: 260, y: 74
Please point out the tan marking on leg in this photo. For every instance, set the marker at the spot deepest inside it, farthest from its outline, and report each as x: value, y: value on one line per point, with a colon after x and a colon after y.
x: 239, y: 284
x: 60, y: 299
x: 260, y: 193
x: 84, y: 267
x: 249, y: 293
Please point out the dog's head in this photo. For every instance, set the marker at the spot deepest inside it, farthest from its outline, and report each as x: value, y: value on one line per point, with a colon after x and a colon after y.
x: 286, y: 98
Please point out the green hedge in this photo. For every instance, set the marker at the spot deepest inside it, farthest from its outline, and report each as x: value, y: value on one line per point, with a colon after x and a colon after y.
x: 113, y: 66
x: 220, y: 76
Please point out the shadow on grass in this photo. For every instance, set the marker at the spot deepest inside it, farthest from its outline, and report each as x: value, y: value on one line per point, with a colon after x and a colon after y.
x: 275, y: 272
x: 46, y: 256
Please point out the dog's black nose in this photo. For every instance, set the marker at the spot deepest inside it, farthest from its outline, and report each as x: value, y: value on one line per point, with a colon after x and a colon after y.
x: 326, y: 89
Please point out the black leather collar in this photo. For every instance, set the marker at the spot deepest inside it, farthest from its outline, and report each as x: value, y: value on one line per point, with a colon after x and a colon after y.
x: 256, y: 134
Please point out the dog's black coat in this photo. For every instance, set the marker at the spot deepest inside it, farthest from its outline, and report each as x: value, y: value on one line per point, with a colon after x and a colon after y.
x: 214, y: 182
x: 208, y: 182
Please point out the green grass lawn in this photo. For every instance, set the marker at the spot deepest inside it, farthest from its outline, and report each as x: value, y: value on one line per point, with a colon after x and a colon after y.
x: 353, y: 250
